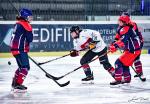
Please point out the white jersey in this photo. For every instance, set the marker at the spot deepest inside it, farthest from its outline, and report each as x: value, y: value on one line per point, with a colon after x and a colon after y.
x: 87, y: 34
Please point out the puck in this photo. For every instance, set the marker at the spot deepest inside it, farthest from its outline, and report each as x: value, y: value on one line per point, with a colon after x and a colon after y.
x: 9, y: 63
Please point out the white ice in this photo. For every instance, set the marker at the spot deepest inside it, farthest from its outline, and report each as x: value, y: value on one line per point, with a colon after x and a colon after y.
x: 42, y: 90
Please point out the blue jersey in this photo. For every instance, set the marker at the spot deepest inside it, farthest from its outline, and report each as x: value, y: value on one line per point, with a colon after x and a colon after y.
x: 128, y: 38
x: 21, y: 38
x: 135, y: 28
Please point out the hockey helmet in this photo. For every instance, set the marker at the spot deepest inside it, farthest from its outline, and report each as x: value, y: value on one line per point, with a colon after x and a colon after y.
x: 74, y: 29
x: 124, y: 19
x: 24, y: 13
x: 125, y: 14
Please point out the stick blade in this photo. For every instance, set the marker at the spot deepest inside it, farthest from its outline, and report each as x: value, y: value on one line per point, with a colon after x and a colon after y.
x: 64, y: 84
x: 143, y: 79
x: 54, y: 79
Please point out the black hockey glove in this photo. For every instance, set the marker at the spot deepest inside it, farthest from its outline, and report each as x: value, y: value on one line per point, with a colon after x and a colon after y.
x: 74, y: 53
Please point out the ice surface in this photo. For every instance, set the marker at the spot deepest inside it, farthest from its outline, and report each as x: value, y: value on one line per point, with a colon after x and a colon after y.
x: 42, y: 90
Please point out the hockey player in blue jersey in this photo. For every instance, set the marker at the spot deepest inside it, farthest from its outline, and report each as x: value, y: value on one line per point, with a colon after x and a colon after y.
x: 21, y: 38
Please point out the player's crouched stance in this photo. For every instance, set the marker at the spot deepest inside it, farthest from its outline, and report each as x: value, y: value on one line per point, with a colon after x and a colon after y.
x: 129, y: 42
x: 92, y: 40
x: 21, y: 38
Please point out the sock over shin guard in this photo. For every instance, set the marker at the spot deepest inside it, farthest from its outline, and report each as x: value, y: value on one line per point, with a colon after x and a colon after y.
x: 118, y: 70
x: 126, y: 74
x: 87, y: 70
x: 138, y: 66
x: 21, y: 75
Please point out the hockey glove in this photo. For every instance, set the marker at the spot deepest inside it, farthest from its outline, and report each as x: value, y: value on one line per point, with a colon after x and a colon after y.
x: 112, y: 48
x: 74, y: 53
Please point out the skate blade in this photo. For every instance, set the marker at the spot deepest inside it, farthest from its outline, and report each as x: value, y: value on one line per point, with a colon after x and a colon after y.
x: 115, y: 86
x: 126, y: 84
x: 18, y: 91
x: 88, y: 82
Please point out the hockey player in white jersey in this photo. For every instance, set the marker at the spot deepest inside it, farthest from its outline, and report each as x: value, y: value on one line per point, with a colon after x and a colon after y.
x: 86, y: 38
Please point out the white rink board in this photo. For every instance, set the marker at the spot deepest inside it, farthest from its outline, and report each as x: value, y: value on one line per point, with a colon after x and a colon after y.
x: 42, y: 90
x: 75, y: 22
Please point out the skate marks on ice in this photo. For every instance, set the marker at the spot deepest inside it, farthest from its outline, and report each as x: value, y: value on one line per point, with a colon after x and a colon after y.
x: 97, y: 93
x: 103, y: 93
x: 15, y: 98
x: 44, y: 91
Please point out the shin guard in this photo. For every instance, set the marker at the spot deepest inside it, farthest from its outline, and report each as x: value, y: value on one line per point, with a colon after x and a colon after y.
x: 22, y: 75
x: 138, y: 66
x: 87, y: 70
x: 118, y: 70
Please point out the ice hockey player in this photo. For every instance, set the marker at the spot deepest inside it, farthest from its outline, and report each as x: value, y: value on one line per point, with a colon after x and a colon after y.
x: 129, y: 42
x: 86, y: 38
x: 137, y: 62
x: 21, y: 38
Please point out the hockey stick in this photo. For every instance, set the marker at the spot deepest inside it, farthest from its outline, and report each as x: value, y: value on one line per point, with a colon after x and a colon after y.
x: 142, y: 79
x: 16, y: 10
x: 13, y: 6
x: 53, y: 59
x: 1, y: 43
x: 57, y: 58
x: 57, y: 78
x: 49, y: 75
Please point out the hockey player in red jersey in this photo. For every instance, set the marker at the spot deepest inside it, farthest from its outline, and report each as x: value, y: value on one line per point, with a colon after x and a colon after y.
x: 130, y: 43
x: 137, y: 62
x: 21, y: 38
x: 92, y: 39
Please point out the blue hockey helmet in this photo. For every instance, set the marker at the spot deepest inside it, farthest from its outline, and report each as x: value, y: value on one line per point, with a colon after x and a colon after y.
x: 24, y: 13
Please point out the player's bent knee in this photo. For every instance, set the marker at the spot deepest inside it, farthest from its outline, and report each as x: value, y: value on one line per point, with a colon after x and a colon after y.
x: 106, y: 65
x: 26, y: 67
x: 118, y: 63
x: 82, y: 61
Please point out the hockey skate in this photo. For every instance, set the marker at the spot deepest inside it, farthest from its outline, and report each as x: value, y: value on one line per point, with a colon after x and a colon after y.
x: 88, y: 80
x: 119, y: 82
x: 115, y: 83
x: 17, y: 87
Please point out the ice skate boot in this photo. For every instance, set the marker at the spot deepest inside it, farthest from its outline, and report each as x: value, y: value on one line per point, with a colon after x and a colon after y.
x: 115, y: 82
x: 19, y: 89
x: 88, y: 80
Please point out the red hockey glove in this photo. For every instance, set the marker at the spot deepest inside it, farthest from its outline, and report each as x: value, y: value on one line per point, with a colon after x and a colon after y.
x: 74, y: 53
x: 112, y: 48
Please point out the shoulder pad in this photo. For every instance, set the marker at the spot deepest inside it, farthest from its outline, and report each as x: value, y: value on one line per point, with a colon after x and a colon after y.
x: 124, y: 30
x: 132, y: 23
x: 26, y: 25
